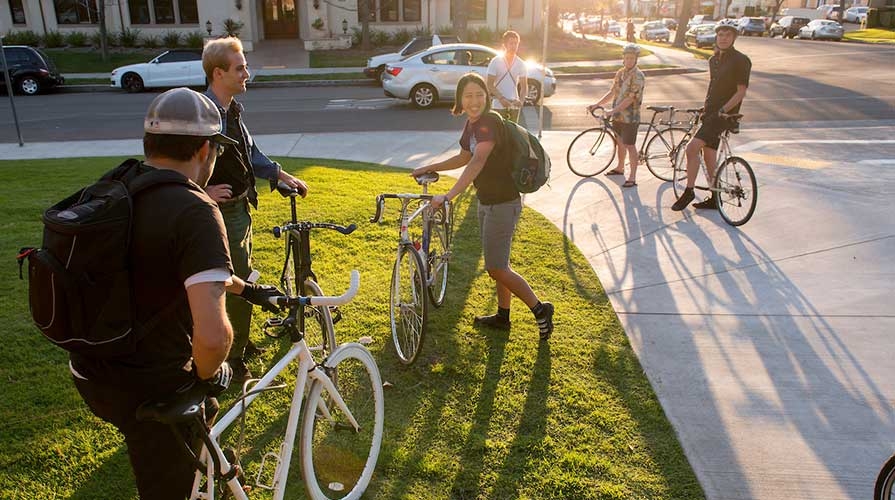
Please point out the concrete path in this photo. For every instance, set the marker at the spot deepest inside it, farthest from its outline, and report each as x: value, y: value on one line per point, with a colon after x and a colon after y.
x: 769, y: 346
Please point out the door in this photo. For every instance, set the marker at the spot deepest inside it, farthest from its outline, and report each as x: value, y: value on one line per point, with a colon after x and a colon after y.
x: 280, y: 19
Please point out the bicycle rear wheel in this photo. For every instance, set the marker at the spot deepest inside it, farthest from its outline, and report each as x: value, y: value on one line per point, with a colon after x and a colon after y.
x: 337, y: 460
x: 440, y: 254
x: 659, y: 154
x: 591, y: 152
x: 409, y: 304
x: 737, y: 191
x: 885, y: 481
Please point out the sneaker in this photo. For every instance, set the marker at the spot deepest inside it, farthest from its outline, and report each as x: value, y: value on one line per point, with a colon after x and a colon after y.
x: 545, y: 321
x: 241, y: 372
x: 710, y: 202
x: 686, y: 197
x: 252, y: 351
x: 495, y: 321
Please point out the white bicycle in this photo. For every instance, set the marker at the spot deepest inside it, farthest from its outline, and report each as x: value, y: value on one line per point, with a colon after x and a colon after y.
x: 341, y: 421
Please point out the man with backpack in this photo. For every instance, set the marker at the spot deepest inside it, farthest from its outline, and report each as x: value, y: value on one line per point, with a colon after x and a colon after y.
x: 506, y: 75
x: 232, y: 185
x: 179, y: 270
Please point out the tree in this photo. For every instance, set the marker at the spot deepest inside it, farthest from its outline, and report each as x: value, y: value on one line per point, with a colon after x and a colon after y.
x: 777, y: 4
x: 458, y: 9
x: 364, y: 14
x: 682, y: 17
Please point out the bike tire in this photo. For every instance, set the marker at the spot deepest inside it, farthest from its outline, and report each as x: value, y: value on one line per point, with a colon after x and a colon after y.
x: 439, y: 257
x: 660, y: 150
x: 320, y: 334
x: 408, y: 304
x: 337, y: 460
x: 885, y: 481
x: 679, y: 176
x: 737, y: 191
x: 591, y: 152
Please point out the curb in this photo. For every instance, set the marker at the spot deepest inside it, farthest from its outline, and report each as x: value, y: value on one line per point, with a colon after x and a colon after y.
x: 611, y: 74
x: 273, y: 84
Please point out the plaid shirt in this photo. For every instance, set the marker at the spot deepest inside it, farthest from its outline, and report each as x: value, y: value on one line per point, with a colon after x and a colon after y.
x: 628, y: 84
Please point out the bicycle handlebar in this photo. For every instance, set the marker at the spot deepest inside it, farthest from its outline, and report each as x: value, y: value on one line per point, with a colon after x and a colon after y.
x: 380, y: 201
x: 321, y: 300
x: 304, y: 226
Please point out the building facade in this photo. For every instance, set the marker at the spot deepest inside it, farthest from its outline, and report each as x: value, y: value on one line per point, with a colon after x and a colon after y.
x: 317, y: 23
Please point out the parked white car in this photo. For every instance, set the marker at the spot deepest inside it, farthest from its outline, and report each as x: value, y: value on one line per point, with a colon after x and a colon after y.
x: 376, y: 64
x: 656, y: 31
x: 432, y: 75
x: 854, y: 14
x: 172, y: 68
x: 822, y: 28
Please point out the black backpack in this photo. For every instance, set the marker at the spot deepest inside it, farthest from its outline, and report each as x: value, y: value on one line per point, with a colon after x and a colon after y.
x: 79, y: 290
x: 530, y: 165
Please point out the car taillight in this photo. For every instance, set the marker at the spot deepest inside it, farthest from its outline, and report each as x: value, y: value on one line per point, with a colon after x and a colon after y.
x: 394, y: 71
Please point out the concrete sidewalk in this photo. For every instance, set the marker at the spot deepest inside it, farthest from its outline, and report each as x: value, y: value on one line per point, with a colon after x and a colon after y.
x: 769, y: 346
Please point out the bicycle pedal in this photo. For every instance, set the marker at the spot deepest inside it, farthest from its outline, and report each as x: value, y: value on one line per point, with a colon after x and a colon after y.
x: 273, y: 323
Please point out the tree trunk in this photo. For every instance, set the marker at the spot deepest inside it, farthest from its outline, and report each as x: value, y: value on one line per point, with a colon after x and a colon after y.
x: 460, y: 19
x: 103, y: 33
x: 682, y: 17
x: 363, y: 7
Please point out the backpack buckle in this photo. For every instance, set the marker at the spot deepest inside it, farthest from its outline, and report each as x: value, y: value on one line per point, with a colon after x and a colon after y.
x: 23, y: 254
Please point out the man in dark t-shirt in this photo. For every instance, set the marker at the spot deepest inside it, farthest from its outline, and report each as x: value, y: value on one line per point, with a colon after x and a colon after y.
x: 729, y: 71
x: 181, y: 268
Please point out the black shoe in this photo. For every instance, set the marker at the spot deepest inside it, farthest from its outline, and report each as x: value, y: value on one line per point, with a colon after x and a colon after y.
x: 493, y: 321
x: 252, y: 351
x: 710, y: 202
x: 241, y: 372
x: 686, y: 197
x: 545, y: 321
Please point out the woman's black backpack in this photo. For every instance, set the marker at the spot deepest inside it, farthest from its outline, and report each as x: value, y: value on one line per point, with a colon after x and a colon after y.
x: 529, y: 163
x: 80, y: 291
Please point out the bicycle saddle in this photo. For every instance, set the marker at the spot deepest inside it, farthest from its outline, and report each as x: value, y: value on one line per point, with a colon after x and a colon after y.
x: 184, y: 406
x: 427, y: 178
x: 659, y: 109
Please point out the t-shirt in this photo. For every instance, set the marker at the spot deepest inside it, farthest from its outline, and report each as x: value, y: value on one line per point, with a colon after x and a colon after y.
x: 506, y: 85
x: 177, y: 233
x: 494, y: 184
x: 726, y: 70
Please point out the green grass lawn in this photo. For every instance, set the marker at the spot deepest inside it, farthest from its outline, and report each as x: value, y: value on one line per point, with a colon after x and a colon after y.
x: 872, y: 35
x: 91, y: 61
x: 482, y: 414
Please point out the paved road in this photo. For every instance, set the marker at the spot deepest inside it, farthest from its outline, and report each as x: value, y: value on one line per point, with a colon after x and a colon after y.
x: 831, y: 81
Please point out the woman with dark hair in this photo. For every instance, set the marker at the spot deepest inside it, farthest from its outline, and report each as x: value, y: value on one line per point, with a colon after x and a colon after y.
x: 499, y: 204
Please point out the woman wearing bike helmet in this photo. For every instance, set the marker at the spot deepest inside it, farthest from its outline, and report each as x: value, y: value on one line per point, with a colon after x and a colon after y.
x: 627, y: 96
x: 729, y: 71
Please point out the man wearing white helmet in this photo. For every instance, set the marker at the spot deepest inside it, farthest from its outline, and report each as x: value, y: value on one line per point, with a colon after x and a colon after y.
x: 729, y: 71
x: 627, y: 97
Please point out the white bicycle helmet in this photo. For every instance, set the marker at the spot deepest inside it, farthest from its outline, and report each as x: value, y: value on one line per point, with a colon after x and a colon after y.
x: 632, y: 48
x: 727, y: 23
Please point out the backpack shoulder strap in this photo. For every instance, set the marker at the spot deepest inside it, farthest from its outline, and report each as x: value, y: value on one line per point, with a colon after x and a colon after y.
x: 154, y: 178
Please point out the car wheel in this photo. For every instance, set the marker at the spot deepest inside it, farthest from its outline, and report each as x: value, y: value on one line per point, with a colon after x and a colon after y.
x: 534, y: 92
x: 423, y: 96
x: 29, y: 85
x: 132, y: 83
x: 380, y: 71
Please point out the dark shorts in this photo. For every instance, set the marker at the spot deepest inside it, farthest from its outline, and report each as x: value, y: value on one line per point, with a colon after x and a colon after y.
x: 626, y: 132
x: 711, y: 129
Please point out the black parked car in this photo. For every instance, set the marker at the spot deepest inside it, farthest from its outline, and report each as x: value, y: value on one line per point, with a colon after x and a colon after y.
x: 788, y: 26
x: 30, y: 70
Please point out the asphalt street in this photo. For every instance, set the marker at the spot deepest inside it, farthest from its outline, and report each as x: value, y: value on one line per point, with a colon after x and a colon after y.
x: 792, y: 81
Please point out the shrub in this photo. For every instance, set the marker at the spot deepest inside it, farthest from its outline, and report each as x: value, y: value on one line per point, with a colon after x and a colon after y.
x: 233, y: 27
x: 483, y: 35
x: 379, y: 38
x: 317, y: 24
x: 171, y: 39
x: 128, y: 37
x: 447, y: 29
x: 151, y: 41
x: 422, y: 31
x: 76, y: 39
x: 54, y: 39
x: 194, y: 40
x: 356, y: 34
x: 95, y: 38
x: 26, y: 37
x: 401, y: 36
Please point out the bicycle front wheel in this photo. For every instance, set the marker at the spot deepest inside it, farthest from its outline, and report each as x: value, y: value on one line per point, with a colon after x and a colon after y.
x: 591, y: 152
x: 737, y: 191
x: 439, y: 254
x: 660, y: 150
x: 409, y: 306
x: 337, y: 458
x: 320, y: 335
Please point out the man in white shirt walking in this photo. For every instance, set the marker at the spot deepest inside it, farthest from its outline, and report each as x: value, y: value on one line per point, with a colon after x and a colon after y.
x: 506, y: 75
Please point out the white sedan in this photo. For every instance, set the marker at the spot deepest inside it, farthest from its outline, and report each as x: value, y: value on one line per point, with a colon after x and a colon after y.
x: 822, y: 28
x: 432, y: 75
x: 173, y: 68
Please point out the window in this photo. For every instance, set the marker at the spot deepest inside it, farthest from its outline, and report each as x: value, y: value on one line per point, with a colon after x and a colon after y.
x: 517, y: 8
x: 18, y: 11
x: 163, y: 11
x: 179, y: 56
x: 388, y: 10
x: 447, y: 57
x: 411, y: 10
x: 475, y: 10
x: 76, y: 11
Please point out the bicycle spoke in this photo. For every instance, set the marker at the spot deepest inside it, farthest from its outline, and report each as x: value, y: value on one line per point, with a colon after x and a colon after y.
x: 591, y: 152
x: 736, y: 190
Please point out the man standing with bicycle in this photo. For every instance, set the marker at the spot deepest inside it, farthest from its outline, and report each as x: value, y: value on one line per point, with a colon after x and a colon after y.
x: 232, y: 185
x: 729, y: 71
x: 627, y: 97
x: 506, y: 75
x: 180, y: 270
